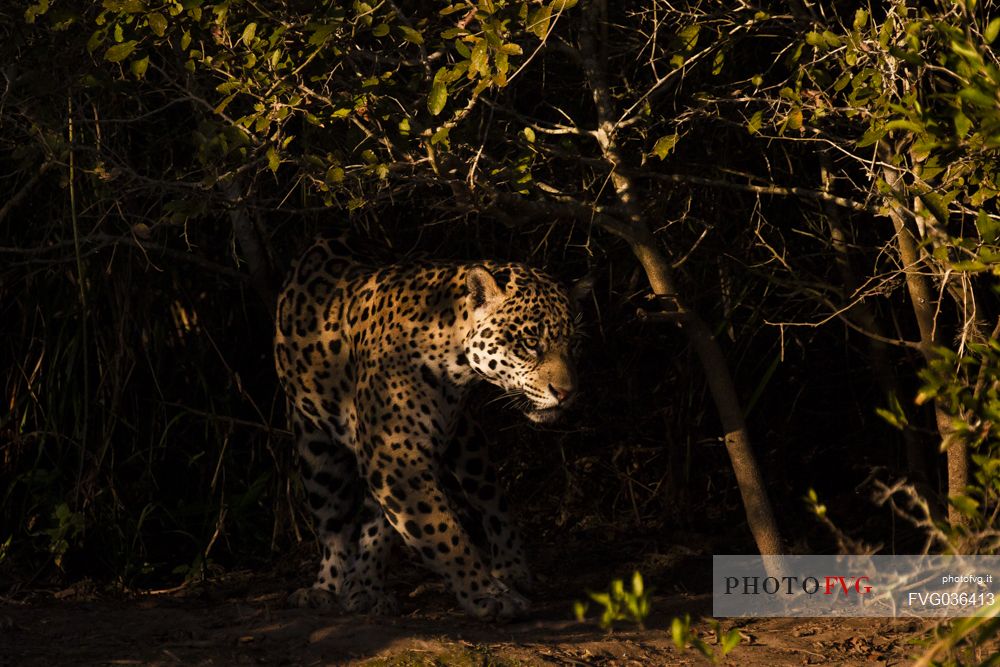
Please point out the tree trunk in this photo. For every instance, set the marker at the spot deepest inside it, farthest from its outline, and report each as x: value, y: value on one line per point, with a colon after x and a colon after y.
x: 925, y: 310
x: 658, y: 271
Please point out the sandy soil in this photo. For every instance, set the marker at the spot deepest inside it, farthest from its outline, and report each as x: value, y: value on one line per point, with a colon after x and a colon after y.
x: 242, y: 620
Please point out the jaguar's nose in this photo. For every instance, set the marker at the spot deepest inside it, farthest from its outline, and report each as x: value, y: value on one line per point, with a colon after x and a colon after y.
x: 562, y: 394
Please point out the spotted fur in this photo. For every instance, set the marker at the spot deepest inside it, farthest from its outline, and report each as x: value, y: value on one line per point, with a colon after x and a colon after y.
x: 377, y: 362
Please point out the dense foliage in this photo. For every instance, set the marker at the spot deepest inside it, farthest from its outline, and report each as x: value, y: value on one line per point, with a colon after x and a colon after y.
x: 820, y: 179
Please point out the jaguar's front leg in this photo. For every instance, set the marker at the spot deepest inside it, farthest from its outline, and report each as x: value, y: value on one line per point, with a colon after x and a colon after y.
x: 402, y: 475
x: 364, y: 590
x: 469, y: 461
x: 330, y: 476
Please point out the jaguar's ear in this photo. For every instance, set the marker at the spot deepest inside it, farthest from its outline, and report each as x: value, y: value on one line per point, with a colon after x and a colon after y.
x: 483, y: 289
x: 582, y: 288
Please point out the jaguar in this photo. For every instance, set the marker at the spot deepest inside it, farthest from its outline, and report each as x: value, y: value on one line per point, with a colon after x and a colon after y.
x: 377, y: 361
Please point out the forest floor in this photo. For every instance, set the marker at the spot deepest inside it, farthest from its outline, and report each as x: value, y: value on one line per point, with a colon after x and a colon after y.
x: 241, y: 618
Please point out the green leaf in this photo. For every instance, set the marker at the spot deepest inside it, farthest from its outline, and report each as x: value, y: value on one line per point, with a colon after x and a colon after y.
x: 718, y: 62
x: 411, y: 35
x: 502, y: 65
x: 124, y: 6
x: 937, y: 205
x: 538, y: 21
x: 562, y: 5
x: 529, y: 134
x: 381, y: 30
x: 480, y: 58
x: 885, y: 32
x: 832, y: 40
x: 989, y: 228
x: 323, y: 31
x: 580, y: 610
x: 903, y: 124
x: 36, y: 10
x: 755, y: 122
x: 966, y: 50
x: 273, y: 160
x: 689, y: 36
x: 664, y: 145
x: 139, y: 67
x: 248, y: 33
x: 870, y: 137
x: 992, y: 29
x: 437, y: 97
x: 977, y: 97
x: 860, y: 19
x: 794, y: 120
x: 157, y: 23
x: 964, y: 504
x: 334, y: 175
x: 637, y: 585
x: 730, y: 640
x: 120, y: 52
x: 813, y: 38
x: 962, y: 124
x: 440, y: 136
x: 678, y: 632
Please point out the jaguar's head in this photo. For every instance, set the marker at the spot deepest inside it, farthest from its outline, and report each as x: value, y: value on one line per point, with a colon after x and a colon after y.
x: 523, y: 338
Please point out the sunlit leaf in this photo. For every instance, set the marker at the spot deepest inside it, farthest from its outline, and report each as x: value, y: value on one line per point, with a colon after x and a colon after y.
x: 36, y: 10
x: 139, y: 67
x: 157, y: 23
x: 678, y: 633
x: 248, y: 33
x: 637, y: 585
x: 120, y: 52
x: 977, y: 97
x: 124, y: 6
x: 730, y: 640
x: 440, y: 136
x: 437, y: 97
x: 538, y: 21
x: 664, y: 145
x: 992, y: 29
x: 480, y: 58
x: 689, y: 36
x: 411, y: 35
x: 964, y: 504
x: 860, y: 19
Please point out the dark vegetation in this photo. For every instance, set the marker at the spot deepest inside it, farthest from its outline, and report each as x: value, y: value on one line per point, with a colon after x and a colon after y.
x: 814, y: 184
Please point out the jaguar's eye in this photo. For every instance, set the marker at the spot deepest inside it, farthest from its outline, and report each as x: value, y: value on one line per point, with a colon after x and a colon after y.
x: 532, y: 345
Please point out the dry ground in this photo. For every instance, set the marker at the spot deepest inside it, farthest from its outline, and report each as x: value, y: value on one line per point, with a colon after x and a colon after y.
x: 243, y: 620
